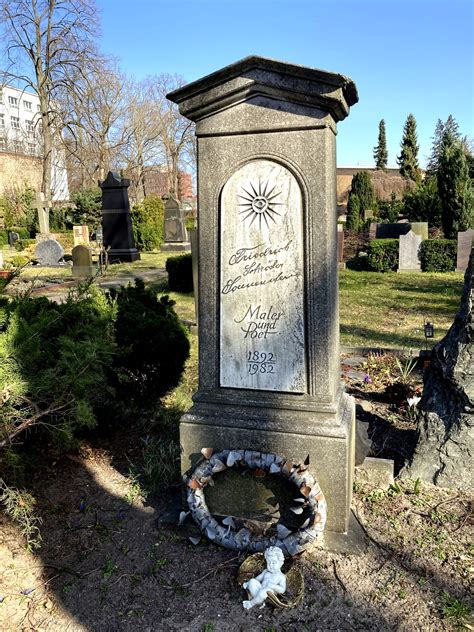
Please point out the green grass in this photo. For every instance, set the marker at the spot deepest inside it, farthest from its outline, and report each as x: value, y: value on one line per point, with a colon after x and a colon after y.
x: 389, y: 309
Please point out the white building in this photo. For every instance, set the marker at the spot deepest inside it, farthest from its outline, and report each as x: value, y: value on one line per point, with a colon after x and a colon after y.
x: 20, y: 133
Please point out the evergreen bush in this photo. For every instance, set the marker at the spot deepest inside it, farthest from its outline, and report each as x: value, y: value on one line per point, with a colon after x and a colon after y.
x: 438, y: 255
x: 180, y: 273
x: 382, y: 255
x: 87, y: 207
x: 152, y: 345
x: 148, y: 223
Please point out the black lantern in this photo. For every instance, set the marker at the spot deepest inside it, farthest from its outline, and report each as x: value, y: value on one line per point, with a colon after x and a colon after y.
x: 429, y: 329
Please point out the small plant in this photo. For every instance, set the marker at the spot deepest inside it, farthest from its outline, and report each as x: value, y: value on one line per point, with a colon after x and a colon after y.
x: 405, y: 368
x: 417, y: 487
x: 135, y: 490
x: 20, y: 506
x: 208, y: 627
x: 454, y: 609
x: 109, y: 568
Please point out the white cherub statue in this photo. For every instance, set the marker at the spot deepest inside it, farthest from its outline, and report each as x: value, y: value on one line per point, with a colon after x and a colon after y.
x: 269, y: 580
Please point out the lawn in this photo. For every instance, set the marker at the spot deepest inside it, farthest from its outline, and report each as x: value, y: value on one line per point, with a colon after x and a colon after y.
x: 389, y: 309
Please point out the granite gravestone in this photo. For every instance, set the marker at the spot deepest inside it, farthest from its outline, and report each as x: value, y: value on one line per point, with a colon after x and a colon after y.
x: 464, y: 249
x: 176, y: 236
x: 269, y: 367
x: 408, y: 248
x: 82, y: 262
x: 13, y: 237
x: 116, y: 220
x: 49, y: 252
x: 81, y: 235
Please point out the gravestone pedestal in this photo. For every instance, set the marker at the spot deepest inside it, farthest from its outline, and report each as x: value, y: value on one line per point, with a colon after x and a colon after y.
x: 269, y: 366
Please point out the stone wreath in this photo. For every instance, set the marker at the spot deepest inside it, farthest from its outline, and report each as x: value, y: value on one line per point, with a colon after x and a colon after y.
x: 228, y: 534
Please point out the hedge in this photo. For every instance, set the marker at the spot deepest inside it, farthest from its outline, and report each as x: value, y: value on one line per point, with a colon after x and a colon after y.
x: 438, y: 255
x: 382, y: 255
x: 180, y: 273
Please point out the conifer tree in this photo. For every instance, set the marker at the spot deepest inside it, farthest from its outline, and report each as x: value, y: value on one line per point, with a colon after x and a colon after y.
x: 408, y: 159
x: 441, y: 128
x: 455, y: 187
x: 380, y: 151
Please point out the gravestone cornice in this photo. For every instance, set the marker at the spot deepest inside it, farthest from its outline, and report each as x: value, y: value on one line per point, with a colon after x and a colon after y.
x: 260, y: 76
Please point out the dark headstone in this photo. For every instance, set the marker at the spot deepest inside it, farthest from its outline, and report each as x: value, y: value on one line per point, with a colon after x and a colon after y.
x: 49, y: 252
x: 82, y: 262
x: 391, y: 231
x: 443, y: 454
x: 116, y: 219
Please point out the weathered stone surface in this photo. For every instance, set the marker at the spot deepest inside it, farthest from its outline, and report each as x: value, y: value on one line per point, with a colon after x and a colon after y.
x: 445, y: 448
x: 261, y: 291
x: 49, y: 252
x: 376, y: 472
x: 464, y: 249
x: 340, y: 243
x: 408, y: 248
x: 82, y: 262
x: 420, y: 228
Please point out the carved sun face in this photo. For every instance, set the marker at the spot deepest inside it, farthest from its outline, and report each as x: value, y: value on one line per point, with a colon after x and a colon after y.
x: 258, y: 202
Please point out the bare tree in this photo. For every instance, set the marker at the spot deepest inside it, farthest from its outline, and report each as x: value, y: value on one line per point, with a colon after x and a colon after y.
x: 144, y: 129
x: 95, y: 120
x: 177, y: 135
x: 46, y: 43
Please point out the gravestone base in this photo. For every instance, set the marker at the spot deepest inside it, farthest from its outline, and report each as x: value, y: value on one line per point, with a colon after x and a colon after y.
x: 123, y: 255
x: 327, y: 437
x: 182, y: 246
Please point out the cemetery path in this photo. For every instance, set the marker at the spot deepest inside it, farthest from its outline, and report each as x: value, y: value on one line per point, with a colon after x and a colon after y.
x: 106, y: 564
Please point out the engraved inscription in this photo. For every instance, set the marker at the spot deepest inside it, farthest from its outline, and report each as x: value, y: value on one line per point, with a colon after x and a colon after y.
x: 261, y: 281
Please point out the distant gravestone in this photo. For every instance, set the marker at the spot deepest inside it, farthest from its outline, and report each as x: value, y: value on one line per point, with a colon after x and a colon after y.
x: 176, y: 235
x: 13, y: 238
x: 409, y: 245
x: 391, y: 230
x: 464, y: 249
x: 81, y: 235
x: 49, y: 252
x: 116, y: 219
x: 340, y: 243
x: 82, y: 262
x: 1, y: 259
x: 420, y: 228
x: 372, y: 230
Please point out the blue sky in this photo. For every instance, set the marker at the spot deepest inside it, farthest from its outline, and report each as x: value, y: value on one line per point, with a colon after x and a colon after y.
x: 404, y: 55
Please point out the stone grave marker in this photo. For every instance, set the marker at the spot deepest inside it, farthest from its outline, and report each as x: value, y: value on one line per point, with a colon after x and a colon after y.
x: 408, y: 247
x: 49, y: 252
x: 464, y: 249
x: 420, y: 228
x: 269, y: 367
x: 42, y: 208
x: 176, y: 236
x: 1, y: 260
x: 340, y: 244
x: 82, y: 262
x: 13, y: 237
x: 116, y: 219
x: 81, y: 235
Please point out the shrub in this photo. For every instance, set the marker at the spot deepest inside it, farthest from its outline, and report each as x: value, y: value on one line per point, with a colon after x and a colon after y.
x: 152, y: 345
x: 3, y: 238
x: 180, y: 273
x: 438, y: 255
x: 353, y: 213
x: 87, y: 207
x: 148, y: 223
x: 18, y: 261
x: 66, y: 239
x: 53, y: 363
x: 382, y: 255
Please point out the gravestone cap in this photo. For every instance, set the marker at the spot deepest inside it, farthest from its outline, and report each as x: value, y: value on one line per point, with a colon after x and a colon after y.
x: 114, y: 181
x: 172, y: 208
x: 260, y: 76
x: 49, y: 252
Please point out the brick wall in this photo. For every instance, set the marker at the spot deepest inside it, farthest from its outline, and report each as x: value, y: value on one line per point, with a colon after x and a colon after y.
x: 17, y: 171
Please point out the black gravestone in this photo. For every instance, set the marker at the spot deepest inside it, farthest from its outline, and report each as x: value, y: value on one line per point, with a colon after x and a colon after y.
x: 116, y: 219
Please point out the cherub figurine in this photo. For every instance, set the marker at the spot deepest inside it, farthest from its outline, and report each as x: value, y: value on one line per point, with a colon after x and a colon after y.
x: 269, y: 580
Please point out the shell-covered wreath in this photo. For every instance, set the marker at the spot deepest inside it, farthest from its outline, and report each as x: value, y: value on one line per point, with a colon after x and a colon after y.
x: 228, y: 534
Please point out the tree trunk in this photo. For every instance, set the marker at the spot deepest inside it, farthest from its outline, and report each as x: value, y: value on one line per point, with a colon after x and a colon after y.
x: 445, y: 447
